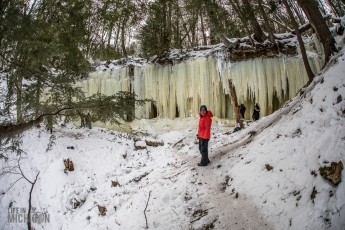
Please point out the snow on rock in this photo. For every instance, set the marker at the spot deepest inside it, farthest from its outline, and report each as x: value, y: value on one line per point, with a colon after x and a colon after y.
x: 236, y: 191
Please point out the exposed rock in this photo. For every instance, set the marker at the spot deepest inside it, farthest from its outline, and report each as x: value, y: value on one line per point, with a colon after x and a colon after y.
x: 139, y: 145
x: 313, y: 194
x: 102, y: 210
x: 154, y: 143
x: 76, y: 203
x: 115, y: 184
x: 237, y: 195
x: 225, y: 183
x: 268, y: 167
x: 135, y: 139
x: 312, y: 172
x: 339, y: 99
x: 296, y: 133
x: 68, y: 165
x: 332, y: 173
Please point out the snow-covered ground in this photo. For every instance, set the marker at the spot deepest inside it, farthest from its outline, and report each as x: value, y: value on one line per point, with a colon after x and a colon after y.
x: 164, y: 183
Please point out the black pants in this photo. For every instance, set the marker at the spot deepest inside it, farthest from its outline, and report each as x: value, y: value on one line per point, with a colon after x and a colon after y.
x: 203, y: 147
x: 242, y: 114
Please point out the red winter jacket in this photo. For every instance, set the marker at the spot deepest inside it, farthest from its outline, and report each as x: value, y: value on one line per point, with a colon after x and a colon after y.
x: 204, y: 128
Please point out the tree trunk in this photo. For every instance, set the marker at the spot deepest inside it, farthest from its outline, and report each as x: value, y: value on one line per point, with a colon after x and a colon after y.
x: 123, y: 41
x: 109, y: 34
x: 117, y: 36
x: 300, y: 41
x: 268, y: 26
x: 175, y: 28
x: 259, y: 35
x: 318, y: 23
x: 187, y: 34
x: 203, y: 29
x: 19, y: 90
x: 30, y: 206
x: 234, y: 101
x: 50, y: 9
x: 101, y: 45
x: 9, y: 131
x: 38, y: 96
x: 169, y: 20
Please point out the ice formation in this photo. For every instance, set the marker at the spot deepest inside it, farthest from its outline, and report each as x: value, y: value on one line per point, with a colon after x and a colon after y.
x: 179, y: 89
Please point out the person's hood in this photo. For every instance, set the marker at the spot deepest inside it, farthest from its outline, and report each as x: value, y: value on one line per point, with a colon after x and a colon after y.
x: 208, y: 114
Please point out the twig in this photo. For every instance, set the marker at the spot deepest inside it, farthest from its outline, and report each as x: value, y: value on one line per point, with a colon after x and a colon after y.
x: 178, y: 142
x: 176, y: 174
x: 137, y: 179
x: 10, y: 187
x: 199, y: 218
x: 174, y: 212
x: 147, y: 203
x: 8, y: 171
x: 92, y: 208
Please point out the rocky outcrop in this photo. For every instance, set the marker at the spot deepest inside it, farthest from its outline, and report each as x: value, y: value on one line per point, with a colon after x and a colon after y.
x: 332, y: 173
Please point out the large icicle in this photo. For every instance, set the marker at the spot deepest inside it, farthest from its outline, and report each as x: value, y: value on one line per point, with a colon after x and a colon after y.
x: 178, y: 90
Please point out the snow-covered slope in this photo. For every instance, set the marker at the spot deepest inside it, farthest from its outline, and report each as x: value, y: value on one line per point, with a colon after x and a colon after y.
x: 163, y: 183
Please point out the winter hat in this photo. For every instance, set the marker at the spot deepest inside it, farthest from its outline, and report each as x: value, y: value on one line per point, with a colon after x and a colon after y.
x: 203, y: 107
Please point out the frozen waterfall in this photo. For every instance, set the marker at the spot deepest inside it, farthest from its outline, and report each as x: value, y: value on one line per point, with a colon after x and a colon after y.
x: 179, y: 89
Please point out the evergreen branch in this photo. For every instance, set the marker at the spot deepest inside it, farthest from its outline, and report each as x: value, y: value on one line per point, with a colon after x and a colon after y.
x: 108, y: 108
x: 18, y: 65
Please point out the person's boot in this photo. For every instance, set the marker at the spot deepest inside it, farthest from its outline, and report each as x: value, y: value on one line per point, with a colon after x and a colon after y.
x: 200, y: 164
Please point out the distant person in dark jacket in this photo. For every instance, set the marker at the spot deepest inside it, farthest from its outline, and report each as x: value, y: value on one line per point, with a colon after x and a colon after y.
x: 204, y: 134
x: 256, y: 112
x: 242, y: 110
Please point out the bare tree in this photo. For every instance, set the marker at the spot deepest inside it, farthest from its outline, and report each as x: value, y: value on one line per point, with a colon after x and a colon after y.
x: 17, y: 170
x: 300, y: 41
x: 311, y: 10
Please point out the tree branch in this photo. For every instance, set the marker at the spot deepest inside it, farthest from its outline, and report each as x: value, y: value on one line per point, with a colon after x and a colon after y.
x: 18, y: 65
x: 147, y: 203
x: 21, y: 172
x: 30, y: 195
x: 307, y: 26
x: 11, y: 187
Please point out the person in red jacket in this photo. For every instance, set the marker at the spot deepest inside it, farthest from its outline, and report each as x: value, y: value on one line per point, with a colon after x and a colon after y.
x: 204, y: 134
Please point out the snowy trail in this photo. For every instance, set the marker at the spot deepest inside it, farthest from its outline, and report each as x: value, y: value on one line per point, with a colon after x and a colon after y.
x: 211, y: 191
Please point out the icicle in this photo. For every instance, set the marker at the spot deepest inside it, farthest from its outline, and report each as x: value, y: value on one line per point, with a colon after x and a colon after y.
x: 180, y: 89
